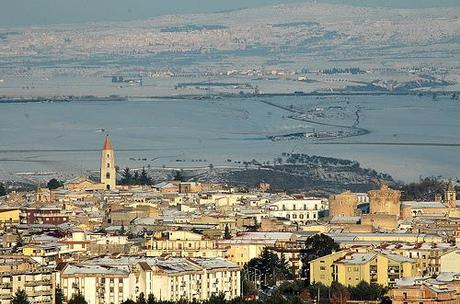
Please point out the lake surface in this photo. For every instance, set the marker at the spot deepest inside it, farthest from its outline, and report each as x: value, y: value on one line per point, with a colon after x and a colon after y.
x: 66, y: 137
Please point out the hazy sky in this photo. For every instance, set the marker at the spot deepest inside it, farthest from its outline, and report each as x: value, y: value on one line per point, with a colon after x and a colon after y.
x: 40, y: 12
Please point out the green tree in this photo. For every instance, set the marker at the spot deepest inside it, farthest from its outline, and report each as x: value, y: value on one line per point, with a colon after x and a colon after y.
x: 268, y: 268
x: 19, y: 242
x: 248, y: 287
x: 291, y: 289
x: 135, y: 180
x: 366, y: 291
x: 323, y: 291
x: 216, y: 299
x: 423, y: 190
x: 151, y: 299
x: 129, y: 301
x: 144, y: 178
x: 126, y: 177
x: 20, y: 297
x: 2, y: 190
x: 339, y: 294
x: 316, y: 246
x: 178, y: 176
x: 78, y: 299
x: 385, y: 300
x: 284, y: 262
x: 54, y: 184
x: 227, y: 234
x: 58, y: 296
x: 141, y: 299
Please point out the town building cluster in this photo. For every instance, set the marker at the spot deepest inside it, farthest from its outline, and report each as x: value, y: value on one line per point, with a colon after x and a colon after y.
x: 188, y: 240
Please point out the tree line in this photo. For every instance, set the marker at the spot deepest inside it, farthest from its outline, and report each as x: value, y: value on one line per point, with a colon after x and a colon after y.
x: 425, y: 189
x: 129, y: 177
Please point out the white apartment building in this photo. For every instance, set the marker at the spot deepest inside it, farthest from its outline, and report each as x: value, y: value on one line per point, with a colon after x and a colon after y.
x: 297, y: 210
x: 113, y: 280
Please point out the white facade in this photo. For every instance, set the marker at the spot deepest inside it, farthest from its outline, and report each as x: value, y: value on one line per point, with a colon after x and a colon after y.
x: 297, y: 210
x: 450, y: 262
x: 108, y: 175
x: 114, y: 280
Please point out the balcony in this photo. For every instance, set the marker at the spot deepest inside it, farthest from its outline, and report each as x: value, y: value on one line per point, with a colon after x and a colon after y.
x: 38, y: 283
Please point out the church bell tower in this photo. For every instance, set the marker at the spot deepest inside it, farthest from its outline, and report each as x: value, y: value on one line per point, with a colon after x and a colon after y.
x: 108, y: 173
x: 450, y: 196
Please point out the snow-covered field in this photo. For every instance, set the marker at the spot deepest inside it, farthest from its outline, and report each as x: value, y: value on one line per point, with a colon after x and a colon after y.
x: 389, y: 44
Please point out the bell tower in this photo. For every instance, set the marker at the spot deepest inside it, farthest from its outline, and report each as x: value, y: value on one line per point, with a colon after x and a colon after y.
x: 450, y: 196
x: 108, y: 173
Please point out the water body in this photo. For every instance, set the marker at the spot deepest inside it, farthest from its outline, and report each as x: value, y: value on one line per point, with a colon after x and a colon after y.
x: 408, y: 135
x: 27, y: 13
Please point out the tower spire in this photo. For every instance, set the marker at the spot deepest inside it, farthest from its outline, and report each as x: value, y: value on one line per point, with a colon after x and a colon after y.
x: 450, y: 196
x: 450, y: 185
x: 107, y: 143
x: 108, y: 174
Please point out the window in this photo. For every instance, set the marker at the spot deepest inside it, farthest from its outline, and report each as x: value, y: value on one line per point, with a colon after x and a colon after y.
x: 108, y: 155
x: 108, y: 165
x: 107, y: 175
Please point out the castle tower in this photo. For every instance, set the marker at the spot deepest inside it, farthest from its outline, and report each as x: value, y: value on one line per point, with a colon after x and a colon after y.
x: 343, y: 204
x: 450, y: 196
x: 108, y: 173
x: 385, y: 201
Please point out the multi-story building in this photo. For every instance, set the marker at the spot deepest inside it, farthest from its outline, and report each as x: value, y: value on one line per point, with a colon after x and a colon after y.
x: 248, y: 245
x: 353, y: 267
x: 183, y: 244
x: 427, y: 255
x: 113, y: 280
x: 423, y: 290
x: 449, y: 261
x: 43, y: 215
x: 19, y: 273
x: 322, y: 268
x: 297, y: 210
x: 9, y: 216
